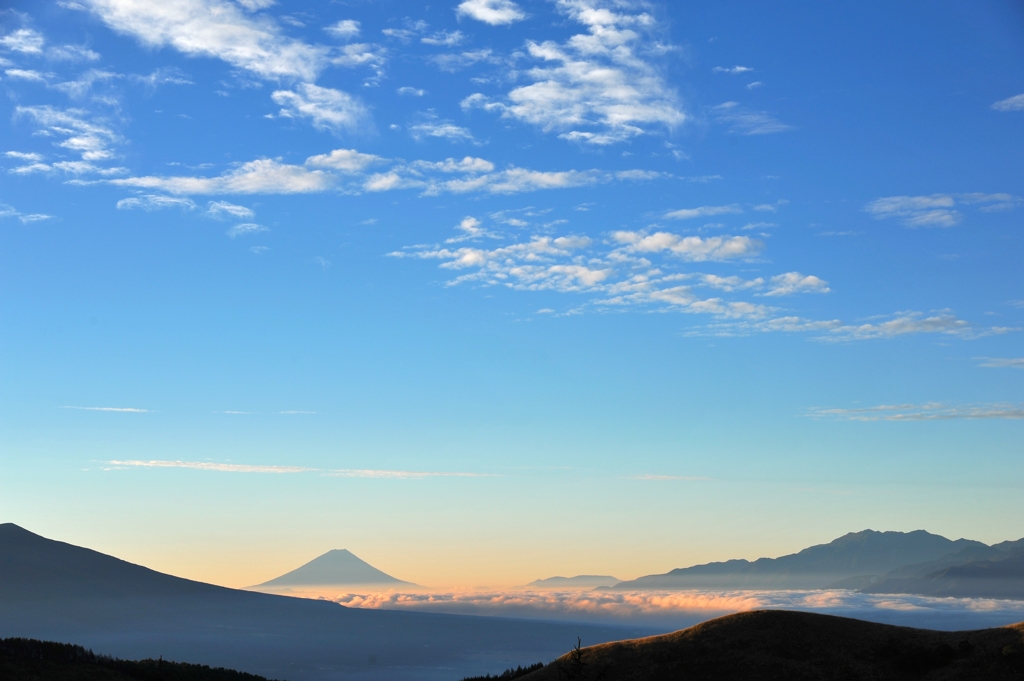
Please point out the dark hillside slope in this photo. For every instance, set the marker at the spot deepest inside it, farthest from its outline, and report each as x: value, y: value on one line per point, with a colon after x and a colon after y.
x: 852, y: 555
x: 771, y: 645
x: 55, y: 591
x: 30, y: 660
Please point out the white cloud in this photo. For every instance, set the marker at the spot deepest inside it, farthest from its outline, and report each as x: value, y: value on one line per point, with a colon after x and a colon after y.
x: 248, y: 468
x: 732, y: 69
x: 747, y: 122
x: 209, y: 466
x: 755, y: 84
x: 221, y: 208
x: 23, y: 40
x: 702, y: 212
x: 730, y: 283
x: 693, y: 248
x: 594, y: 88
x: 155, y: 202
x: 346, y: 29
x: 1015, y: 103
x: 256, y: 5
x: 411, y: 91
x: 328, y: 109
x: 71, y: 53
x: 906, y: 323
x: 932, y: 411
x: 454, y: 62
x: 794, y: 282
x: 25, y: 218
x: 214, y: 28
x: 246, y: 228
x: 493, y: 12
x: 28, y: 74
x: 1002, y: 362
x: 126, y: 410
x: 442, y: 129
x: 469, y: 164
x: 263, y: 176
x: 444, y: 38
x: 92, y: 139
x: 24, y: 156
x: 917, y: 211
x: 471, y: 229
x: 347, y: 161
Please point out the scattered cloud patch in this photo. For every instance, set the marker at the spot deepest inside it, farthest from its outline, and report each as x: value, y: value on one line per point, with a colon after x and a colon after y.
x: 734, y: 70
x: 25, y: 218
x: 1015, y: 103
x: 411, y: 91
x: 444, y: 38
x: 23, y: 40
x: 441, y: 129
x: 249, y: 468
x: 214, y: 28
x: 595, y: 88
x: 932, y: 411
x: 794, y: 282
x: 80, y: 133
x: 246, y: 228
x: 262, y: 176
x: 1002, y: 362
x: 692, y: 248
x: 493, y: 12
x: 326, y: 108
x: 125, y: 410
x: 702, y: 212
x: 220, y: 209
x: 745, y: 121
x: 348, y: 161
x: 346, y: 29
x: 936, y: 210
x: 909, y: 323
x: 151, y: 202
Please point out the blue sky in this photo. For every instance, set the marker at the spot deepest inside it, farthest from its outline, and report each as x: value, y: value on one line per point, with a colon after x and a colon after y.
x: 492, y: 290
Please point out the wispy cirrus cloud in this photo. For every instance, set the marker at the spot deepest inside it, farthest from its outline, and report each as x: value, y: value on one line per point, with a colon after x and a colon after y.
x: 1001, y: 362
x: 932, y: 411
x: 25, y: 218
x: 326, y: 108
x: 702, y: 212
x: 125, y: 410
x: 936, y: 210
x: 746, y: 121
x: 220, y: 467
x: 1015, y: 103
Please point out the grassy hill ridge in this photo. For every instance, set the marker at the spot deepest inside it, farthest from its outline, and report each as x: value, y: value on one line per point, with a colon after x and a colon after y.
x: 797, y: 646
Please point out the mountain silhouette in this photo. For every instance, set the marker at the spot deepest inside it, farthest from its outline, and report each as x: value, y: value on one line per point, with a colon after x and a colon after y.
x: 999, y: 577
x: 54, y: 591
x: 853, y: 555
x: 336, y: 567
x: 577, y: 582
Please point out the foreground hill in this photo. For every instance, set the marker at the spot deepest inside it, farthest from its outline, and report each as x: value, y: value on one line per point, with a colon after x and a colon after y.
x: 339, y: 567
x: 793, y: 646
x: 879, y: 562
x: 55, y: 591
x: 30, y: 660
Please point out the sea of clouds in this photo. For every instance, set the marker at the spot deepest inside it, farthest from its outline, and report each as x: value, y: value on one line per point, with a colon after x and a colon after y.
x: 670, y: 610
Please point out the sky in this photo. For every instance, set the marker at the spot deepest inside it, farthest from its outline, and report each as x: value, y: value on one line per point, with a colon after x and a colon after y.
x: 486, y: 291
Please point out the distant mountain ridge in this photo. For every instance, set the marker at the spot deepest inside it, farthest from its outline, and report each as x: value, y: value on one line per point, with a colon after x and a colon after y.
x: 54, y: 591
x: 867, y: 560
x: 577, y: 582
x: 339, y: 567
